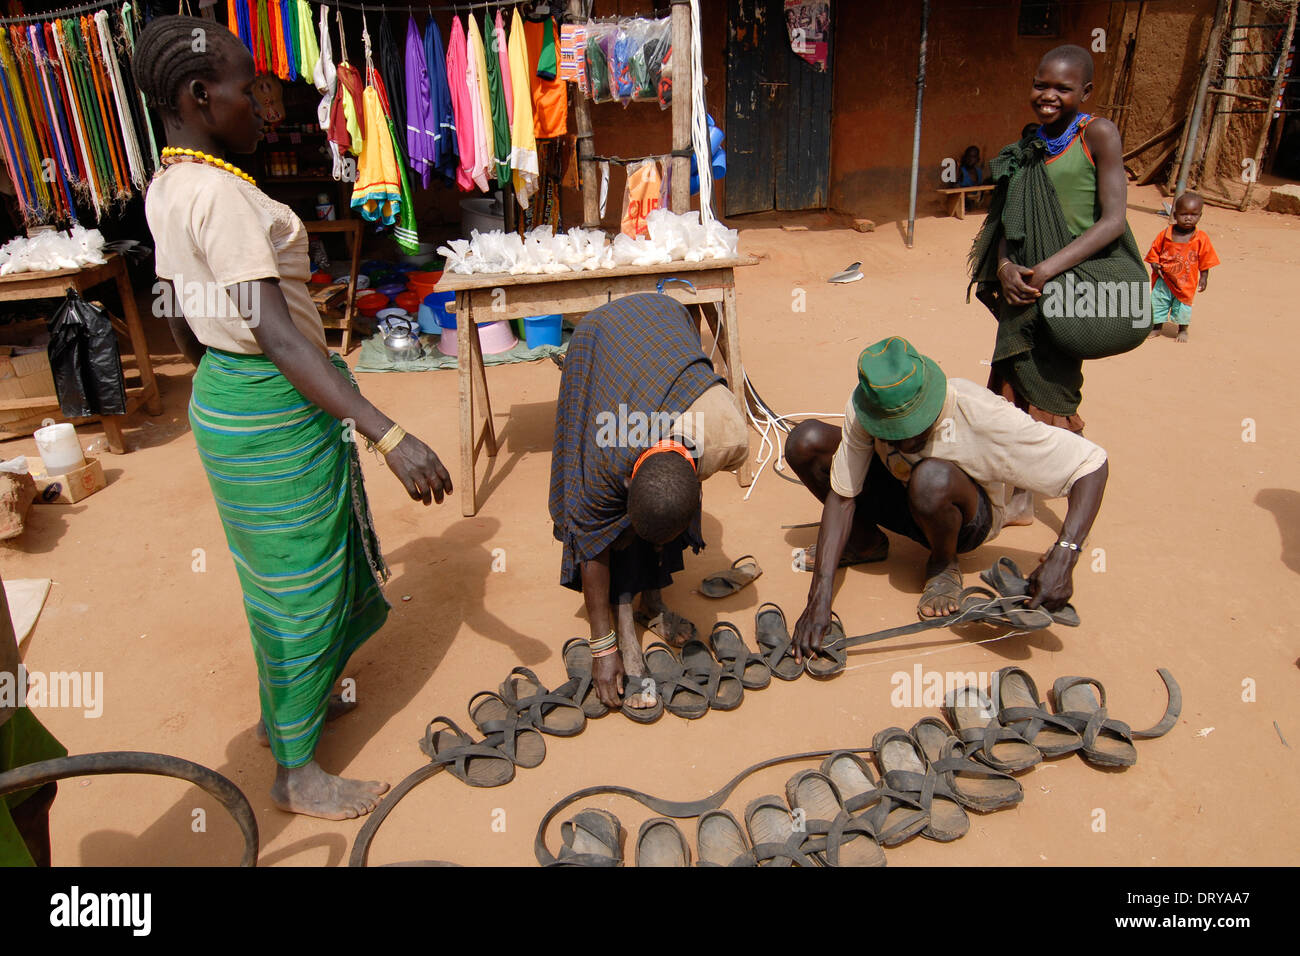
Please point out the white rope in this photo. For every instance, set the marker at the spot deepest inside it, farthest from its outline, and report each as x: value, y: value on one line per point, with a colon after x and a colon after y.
x: 770, y: 427
x: 699, y: 125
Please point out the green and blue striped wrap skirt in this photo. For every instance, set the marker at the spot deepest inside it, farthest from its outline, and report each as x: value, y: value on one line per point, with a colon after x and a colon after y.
x: 287, y: 483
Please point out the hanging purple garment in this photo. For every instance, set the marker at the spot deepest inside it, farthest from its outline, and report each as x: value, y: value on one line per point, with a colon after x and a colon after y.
x: 420, y: 130
x: 442, y: 118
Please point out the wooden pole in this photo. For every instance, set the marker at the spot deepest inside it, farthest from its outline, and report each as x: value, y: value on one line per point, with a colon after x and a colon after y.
x: 680, y: 198
x: 1190, y: 134
x: 1278, y: 82
x: 916, y: 126
x: 586, y: 165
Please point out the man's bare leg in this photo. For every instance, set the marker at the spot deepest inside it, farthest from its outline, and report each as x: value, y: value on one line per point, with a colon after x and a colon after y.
x: 671, y: 627
x: 1020, y: 509
x: 638, y: 689
x: 942, y: 499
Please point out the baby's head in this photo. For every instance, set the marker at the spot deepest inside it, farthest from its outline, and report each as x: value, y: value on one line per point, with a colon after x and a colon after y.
x: 1062, y: 83
x: 1187, y: 211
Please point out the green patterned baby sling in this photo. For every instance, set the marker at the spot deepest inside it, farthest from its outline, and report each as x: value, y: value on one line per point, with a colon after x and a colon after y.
x: 1099, y: 308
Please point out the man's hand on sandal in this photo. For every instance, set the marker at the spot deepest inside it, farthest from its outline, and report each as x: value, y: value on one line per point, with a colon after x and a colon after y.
x: 607, y: 672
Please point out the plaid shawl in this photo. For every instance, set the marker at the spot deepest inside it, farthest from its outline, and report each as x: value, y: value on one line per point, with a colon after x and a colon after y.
x: 628, y: 361
x: 1025, y: 209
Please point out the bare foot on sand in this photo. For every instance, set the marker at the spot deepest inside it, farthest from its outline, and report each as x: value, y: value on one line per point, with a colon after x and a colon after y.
x: 873, y: 551
x: 1182, y: 335
x: 311, y: 791
x: 337, y: 708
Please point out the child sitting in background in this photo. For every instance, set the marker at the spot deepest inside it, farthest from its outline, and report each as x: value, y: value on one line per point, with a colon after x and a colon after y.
x: 971, y: 174
x: 1181, y: 258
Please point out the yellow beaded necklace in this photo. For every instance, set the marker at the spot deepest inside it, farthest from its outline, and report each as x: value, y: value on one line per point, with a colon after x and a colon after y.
x: 177, y: 154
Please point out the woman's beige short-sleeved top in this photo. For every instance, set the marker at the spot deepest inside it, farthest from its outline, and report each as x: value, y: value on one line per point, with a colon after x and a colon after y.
x: 212, y: 230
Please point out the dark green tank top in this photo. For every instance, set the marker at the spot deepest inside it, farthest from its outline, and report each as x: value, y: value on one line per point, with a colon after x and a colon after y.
x: 1074, y: 176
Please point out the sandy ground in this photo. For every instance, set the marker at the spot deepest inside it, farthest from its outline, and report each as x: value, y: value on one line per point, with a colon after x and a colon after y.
x: 1200, y: 531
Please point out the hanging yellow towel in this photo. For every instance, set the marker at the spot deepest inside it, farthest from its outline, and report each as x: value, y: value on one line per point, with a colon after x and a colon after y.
x: 523, y: 149
x: 378, y: 192
x: 480, y: 64
x: 309, y: 51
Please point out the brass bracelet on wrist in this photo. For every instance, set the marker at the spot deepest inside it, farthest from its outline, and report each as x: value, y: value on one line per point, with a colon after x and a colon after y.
x: 391, y: 439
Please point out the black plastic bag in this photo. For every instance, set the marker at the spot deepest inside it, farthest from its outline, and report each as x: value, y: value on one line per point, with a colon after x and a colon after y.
x: 85, y: 360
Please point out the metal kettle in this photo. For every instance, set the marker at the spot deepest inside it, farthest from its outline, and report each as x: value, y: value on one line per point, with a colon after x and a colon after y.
x: 401, y: 339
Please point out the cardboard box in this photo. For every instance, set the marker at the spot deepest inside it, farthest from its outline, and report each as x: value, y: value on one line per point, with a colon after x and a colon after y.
x: 69, y: 488
x: 26, y: 376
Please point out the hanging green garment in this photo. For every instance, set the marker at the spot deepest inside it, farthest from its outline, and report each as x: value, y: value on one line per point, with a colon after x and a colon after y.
x: 404, y: 233
x: 497, y: 100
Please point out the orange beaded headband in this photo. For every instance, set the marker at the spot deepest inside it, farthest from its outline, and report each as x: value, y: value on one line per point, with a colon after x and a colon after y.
x: 666, y: 444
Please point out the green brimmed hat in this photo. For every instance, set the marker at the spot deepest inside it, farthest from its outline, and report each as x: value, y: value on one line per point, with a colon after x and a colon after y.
x: 900, y: 392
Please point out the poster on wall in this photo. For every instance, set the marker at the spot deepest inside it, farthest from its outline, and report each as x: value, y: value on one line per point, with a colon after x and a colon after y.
x: 809, y: 25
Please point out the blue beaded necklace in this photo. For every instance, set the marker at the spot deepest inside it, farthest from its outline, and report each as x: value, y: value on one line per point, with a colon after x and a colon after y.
x: 1057, y: 144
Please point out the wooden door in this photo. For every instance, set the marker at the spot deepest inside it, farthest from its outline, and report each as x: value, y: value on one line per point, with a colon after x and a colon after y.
x: 778, y: 115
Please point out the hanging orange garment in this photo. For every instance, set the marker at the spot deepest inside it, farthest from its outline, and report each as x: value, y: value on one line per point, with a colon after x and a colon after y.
x: 550, y: 97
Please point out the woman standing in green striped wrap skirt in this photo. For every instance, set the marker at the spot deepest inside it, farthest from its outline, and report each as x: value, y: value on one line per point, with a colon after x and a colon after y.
x: 274, y: 413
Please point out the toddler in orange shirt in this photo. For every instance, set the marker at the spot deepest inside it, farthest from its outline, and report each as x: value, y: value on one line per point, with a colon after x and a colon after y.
x: 1181, y: 258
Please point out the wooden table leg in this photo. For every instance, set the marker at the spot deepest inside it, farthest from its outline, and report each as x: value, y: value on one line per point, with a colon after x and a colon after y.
x: 350, y: 307
x: 113, y: 432
x: 465, y: 385
x: 731, y: 332
x: 139, y: 345
x: 959, y: 207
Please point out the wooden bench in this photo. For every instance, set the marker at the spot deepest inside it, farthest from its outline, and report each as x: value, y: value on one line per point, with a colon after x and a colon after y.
x: 342, y: 318
x: 957, y: 198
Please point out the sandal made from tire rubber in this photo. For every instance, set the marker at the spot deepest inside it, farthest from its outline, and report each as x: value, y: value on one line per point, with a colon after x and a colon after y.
x: 469, y: 761
x: 975, y: 786
x: 682, y: 696
x: 723, y: 690
x: 1020, y: 709
x: 720, y: 841
x: 935, y: 587
x: 854, y: 779
x: 832, y: 658
x: 578, y: 665
x: 640, y: 687
x: 551, y: 712
x: 773, y: 836
x: 904, y: 768
x: 774, y: 643
x: 743, y: 572
x: 502, y: 728
x: 660, y: 842
x: 733, y: 654
x: 1108, y: 742
x: 849, y: 840
x: 657, y: 624
x: 974, y: 722
x: 591, y: 838
x: 1005, y: 578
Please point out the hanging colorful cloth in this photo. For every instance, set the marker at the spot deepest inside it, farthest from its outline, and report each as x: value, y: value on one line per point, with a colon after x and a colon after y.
x: 325, y: 80
x: 404, y: 232
x: 462, y: 110
x: 309, y: 51
x: 497, y: 105
x: 550, y: 95
x: 93, y: 181
x: 107, y: 115
x: 377, y: 194
x: 262, y: 61
x: 349, y: 101
x: 19, y: 143
x: 44, y: 125
x: 441, y: 113
x: 476, y: 79
x: 56, y: 117
x: 98, y: 174
x: 390, y: 71
x: 523, y: 150
x: 503, y: 54
x: 124, y: 117
x: 421, y: 134
x: 128, y: 31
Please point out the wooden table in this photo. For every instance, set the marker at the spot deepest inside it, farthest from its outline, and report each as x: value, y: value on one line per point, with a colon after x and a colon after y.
x: 54, y: 285
x: 483, y: 298
x: 352, y: 231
